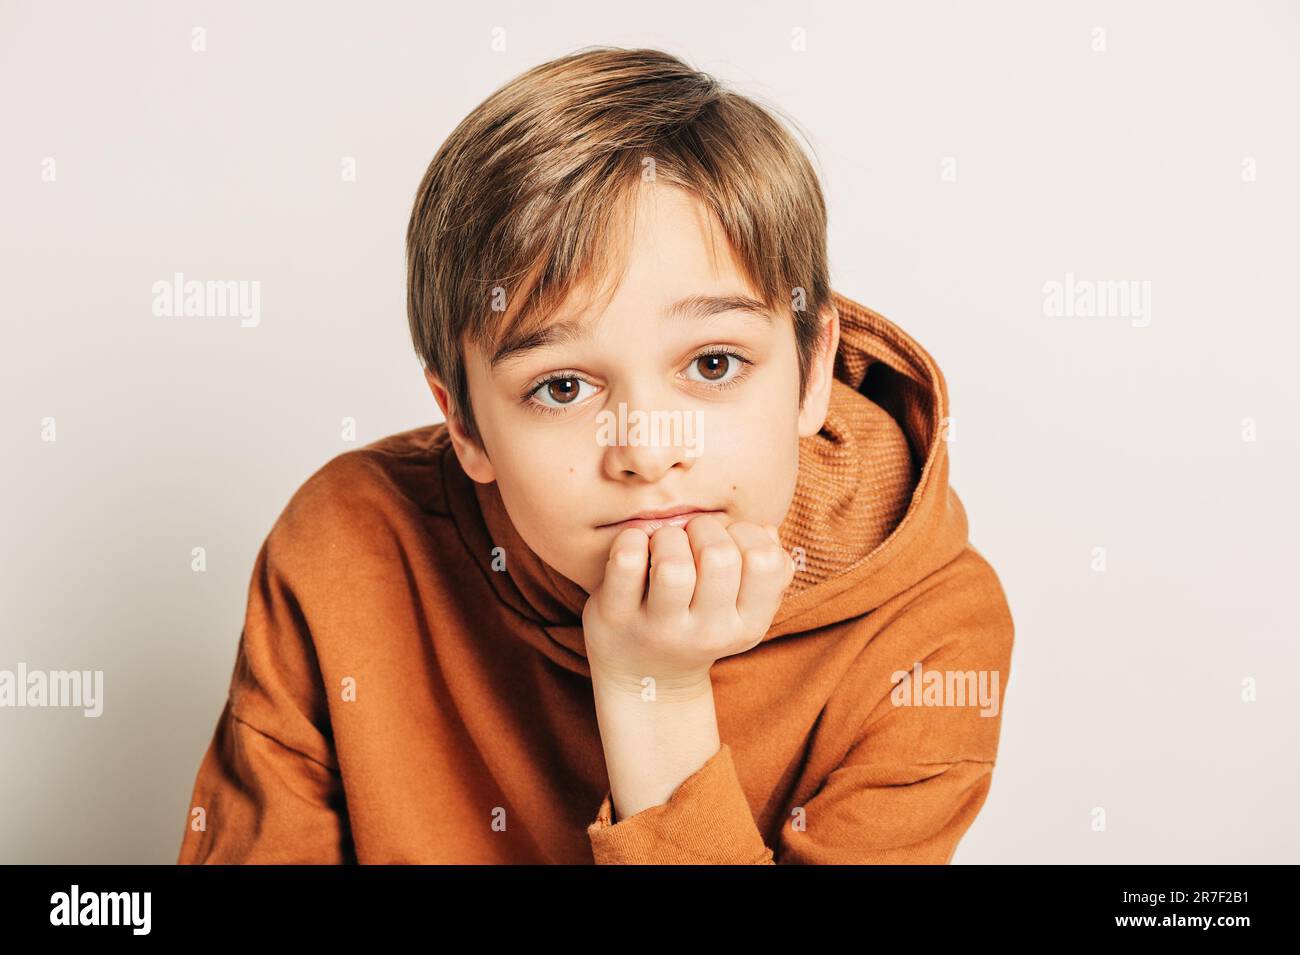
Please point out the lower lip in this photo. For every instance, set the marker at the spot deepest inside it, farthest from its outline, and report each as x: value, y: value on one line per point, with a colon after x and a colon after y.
x: 652, y: 524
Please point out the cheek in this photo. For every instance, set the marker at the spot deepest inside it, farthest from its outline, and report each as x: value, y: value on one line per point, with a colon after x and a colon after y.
x: 759, y: 435
x: 545, y: 480
x: 757, y: 453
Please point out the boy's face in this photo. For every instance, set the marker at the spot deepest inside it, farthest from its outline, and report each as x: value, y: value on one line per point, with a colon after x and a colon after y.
x: 641, y: 412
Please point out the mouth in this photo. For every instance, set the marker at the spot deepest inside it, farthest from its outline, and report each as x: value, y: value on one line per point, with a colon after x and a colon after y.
x: 651, y: 521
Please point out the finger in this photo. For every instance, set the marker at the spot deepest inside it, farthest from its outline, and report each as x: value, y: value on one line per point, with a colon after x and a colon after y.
x: 717, y: 565
x: 672, y: 571
x: 624, y: 585
x: 766, y: 572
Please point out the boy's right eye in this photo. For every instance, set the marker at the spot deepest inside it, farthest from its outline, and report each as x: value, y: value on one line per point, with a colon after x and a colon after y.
x: 557, y: 393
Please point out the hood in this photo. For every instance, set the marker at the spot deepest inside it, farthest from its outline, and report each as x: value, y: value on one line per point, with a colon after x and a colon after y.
x: 872, y: 513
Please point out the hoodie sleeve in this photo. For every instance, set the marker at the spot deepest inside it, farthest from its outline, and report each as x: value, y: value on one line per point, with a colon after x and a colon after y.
x: 706, y: 820
x: 910, y: 783
x: 268, y: 788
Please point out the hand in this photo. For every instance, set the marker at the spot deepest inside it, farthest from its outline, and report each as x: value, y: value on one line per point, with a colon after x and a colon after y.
x: 712, y: 592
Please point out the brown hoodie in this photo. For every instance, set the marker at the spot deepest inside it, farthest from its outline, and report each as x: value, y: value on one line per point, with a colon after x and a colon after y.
x: 399, y: 696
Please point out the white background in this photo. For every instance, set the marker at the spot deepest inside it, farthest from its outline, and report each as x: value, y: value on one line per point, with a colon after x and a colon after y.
x: 1072, y: 434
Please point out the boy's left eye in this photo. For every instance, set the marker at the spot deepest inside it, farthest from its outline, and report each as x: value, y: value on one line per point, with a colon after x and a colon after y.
x: 715, y: 365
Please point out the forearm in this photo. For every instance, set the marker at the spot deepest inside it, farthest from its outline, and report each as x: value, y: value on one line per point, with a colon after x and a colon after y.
x: 653, y: 743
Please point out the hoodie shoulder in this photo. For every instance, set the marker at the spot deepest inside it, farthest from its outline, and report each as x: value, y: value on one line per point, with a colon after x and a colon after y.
x: 361, y: 496
x: 969, y: 611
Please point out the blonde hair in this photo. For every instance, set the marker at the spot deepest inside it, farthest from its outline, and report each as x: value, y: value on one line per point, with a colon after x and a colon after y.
x: 523, y: 200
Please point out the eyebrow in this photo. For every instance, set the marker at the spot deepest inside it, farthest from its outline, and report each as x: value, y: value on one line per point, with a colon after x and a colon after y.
x: 699, y: 307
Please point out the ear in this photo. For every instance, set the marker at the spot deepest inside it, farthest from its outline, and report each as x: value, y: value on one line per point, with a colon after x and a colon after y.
x: 821, y: 375
x: 473, y: 457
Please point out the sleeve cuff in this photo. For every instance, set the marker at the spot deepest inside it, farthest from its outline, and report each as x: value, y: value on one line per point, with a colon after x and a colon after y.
x: 706, y: 821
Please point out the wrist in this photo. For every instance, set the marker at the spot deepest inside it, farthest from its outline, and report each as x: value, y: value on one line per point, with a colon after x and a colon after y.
x: 653, y: 743
x: 651, y: 687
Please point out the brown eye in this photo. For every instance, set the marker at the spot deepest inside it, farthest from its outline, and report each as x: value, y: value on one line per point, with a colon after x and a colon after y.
x: 556, y: 394
x: 713, y: 367
x: 563, y: 390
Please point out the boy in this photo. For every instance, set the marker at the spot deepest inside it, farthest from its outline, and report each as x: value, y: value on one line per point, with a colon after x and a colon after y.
x: 679, y: 580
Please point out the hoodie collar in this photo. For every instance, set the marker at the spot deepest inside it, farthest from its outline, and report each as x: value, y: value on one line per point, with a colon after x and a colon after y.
x: 872, y: 512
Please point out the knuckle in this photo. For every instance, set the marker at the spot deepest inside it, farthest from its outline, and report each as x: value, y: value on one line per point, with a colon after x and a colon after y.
x: 626, y: 558
x: 673, y: 572
x: 668, y: 534
x: 767, y: 558
x: 719, y: 554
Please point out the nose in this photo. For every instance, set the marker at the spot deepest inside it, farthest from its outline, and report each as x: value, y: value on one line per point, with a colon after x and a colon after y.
x: 647, y: 443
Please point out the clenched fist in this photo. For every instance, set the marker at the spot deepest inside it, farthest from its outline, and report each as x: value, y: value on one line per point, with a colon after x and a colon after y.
x: 712, y: 591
